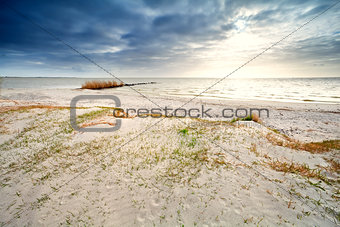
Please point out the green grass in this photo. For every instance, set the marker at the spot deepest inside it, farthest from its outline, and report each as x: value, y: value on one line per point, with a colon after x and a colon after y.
x: 93, y: 114
x: 248, y: 118
x: 184, y: 131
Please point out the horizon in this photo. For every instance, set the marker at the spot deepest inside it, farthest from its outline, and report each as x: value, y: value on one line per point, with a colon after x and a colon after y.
x: 106, y: 78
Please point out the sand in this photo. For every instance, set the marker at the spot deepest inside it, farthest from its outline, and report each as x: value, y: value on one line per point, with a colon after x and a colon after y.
x: 165, y: 171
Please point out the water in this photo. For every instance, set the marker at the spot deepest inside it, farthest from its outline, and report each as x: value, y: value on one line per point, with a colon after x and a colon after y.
x: 320, y: 90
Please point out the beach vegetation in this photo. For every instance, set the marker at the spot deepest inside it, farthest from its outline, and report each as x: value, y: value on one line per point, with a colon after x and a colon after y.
x: 92, y: 115
x: 252, y: 117
x: 299, y: 169
x: 184, y: 131
x: 312, y: 147
x: 324, y: 146
x: 26, y: 108
x: 41, y: 200
x: 184, y: 157
x: 95, y: 84
x: 334, y: 166
x: 193, y: 142
x: 254, y: 150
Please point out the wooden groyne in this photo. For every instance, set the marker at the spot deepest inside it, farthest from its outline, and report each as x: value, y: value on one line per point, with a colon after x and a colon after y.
x: 134, y: 84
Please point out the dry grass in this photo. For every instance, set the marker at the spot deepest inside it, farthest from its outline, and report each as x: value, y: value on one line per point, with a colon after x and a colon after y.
x: 255, y: 118
x: 94, y: 84
x: 334, y: 166
x: 101, y: 122
x: 313, y: 147
x: 4, y: 109
x: 254, y: 150
x: 302, y: 170
x: 320, y: 147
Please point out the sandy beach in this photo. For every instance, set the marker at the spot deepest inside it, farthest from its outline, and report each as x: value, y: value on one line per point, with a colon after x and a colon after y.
x: 281, y: 170
x: 170, y: 113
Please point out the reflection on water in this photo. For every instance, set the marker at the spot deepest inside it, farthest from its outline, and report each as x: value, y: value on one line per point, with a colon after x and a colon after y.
x: 296, y: 90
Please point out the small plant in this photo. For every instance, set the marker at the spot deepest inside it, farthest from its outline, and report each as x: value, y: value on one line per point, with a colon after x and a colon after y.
x: 252, y: 117
x: 234, y: 120
x: 184, y: 131
x: 193, y: 142
x: 42, y: 199
x: 254, y: 150
x: 247, y: 118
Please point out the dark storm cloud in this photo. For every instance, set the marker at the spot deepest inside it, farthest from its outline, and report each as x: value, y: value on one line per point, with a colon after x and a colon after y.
x: 137, y: 34
x: 75, y: 21
x: 318, y: 49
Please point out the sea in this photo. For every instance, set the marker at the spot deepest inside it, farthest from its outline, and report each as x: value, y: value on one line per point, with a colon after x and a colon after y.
x: 317, y: 90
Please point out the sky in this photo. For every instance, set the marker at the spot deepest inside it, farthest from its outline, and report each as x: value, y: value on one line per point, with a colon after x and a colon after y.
x: 169, y: 38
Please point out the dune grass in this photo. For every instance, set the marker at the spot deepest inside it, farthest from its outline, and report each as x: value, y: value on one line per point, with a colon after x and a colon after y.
x: 6, y: 109
x: 300, y: 169
x: 312, y: 147
x: 252, y: 117
x: 94, y: 84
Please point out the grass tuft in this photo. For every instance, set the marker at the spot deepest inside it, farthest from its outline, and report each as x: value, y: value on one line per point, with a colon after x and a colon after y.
x: 100, y: 84
x: 184, y: 131
x: 300, y: 169
x: 252, y: 117
x: 313, y: 147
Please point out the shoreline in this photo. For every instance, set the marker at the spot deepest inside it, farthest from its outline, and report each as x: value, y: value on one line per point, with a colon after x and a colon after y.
x: 117, y: 92
x: 312, y: 122
x: 294, y: 90
x: 167, y: 96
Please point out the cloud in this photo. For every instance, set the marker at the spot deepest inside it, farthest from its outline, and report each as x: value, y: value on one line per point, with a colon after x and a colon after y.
x: 156, y: 36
